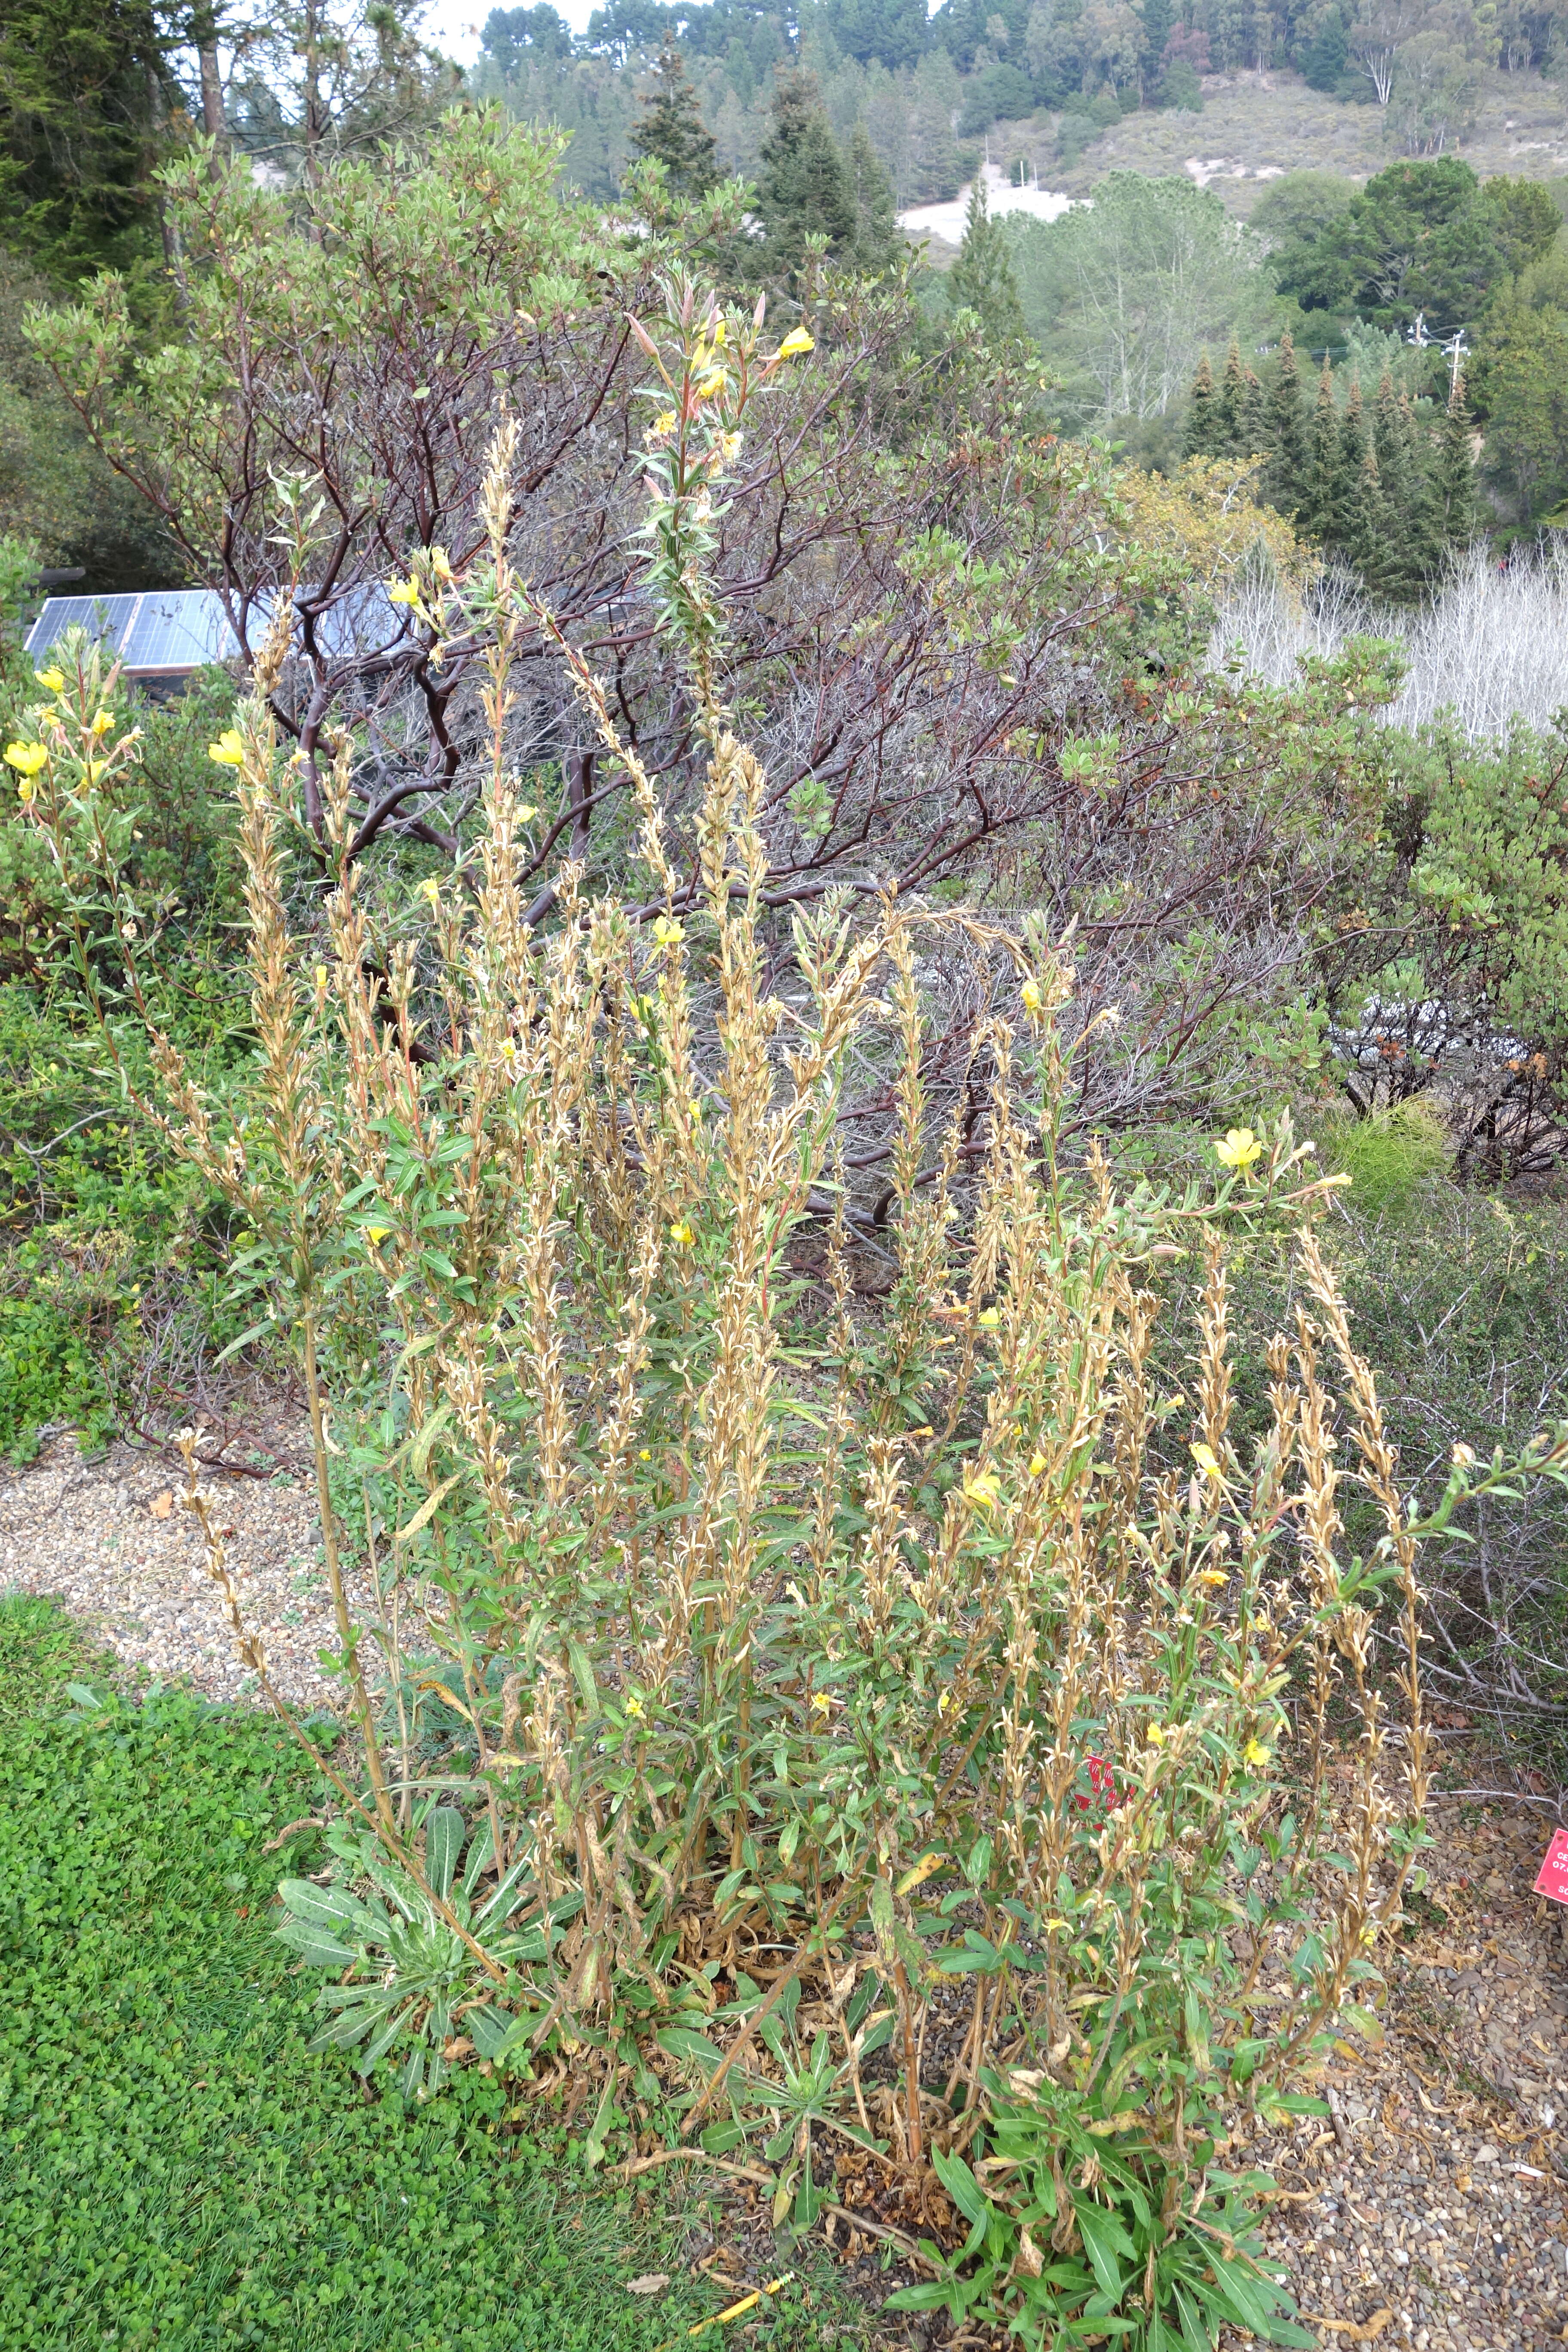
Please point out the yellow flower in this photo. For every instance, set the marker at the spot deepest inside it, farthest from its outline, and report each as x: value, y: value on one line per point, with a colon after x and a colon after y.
x: 1033, y: 1000
x: 228, y: 751
x: 430, y: 888
x: 1036, y: 1464
x: 989, y: 1319
x: 984, y: 1488
x: 683, y: 1235
x: 721, y: 333
x: 1212, y: 1576
x: 822, y: 1702
x: 95, y: 769
x: 644, y: 1456
x: 25, y: 788
x: 321, y: 980
x: 1256, y: 1754
x: 402, y: 591
x: 1239, y: 1150
x: 1154, y: 1733
x: 667, y: 933
x: 377, y: 1234
x: 526, y: 812
x: 1207, y: 1460
x: 714, y: 380
x: 27, y: 758
x: 508, y: 1049
x: 796, y: 344
x: 102, y: 720
x: 663, y: 425
x: 634, y: 1708
x: 52, y: 680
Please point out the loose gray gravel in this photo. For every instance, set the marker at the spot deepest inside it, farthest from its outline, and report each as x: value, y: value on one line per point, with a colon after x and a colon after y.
x: 106, y: 1539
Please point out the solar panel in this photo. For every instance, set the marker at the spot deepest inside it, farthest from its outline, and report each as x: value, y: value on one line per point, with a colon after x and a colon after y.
x: 176, y: 629
x: 169, y: 632
x: 101, y: 616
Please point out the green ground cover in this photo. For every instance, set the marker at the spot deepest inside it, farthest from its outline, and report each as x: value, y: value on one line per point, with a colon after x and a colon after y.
x: 174, y: 2169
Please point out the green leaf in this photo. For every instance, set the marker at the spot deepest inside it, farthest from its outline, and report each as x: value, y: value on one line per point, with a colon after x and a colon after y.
x: 444, y: 1834
x: 680, y: 2041
x: 961, y: 2185
x: 1103, y: 2239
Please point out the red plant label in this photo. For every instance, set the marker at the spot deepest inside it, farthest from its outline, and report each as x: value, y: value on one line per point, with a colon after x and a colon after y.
x: 1552, y: 1880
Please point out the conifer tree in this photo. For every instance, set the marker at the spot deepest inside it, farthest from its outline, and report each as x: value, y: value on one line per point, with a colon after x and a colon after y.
x: 1347, y: 495
x: 1454, y: 480
x: 1254, y: 417
x: 1285, y: 479
x: 1230, y: 406
x: 876, y: 213
x: 982, y: 278
x: 670, y: 129
x: 1409, y: 550
x: 803, y: 189
x: 1363, y: 521
x: 1200, y: 434
x: 1316, y: 511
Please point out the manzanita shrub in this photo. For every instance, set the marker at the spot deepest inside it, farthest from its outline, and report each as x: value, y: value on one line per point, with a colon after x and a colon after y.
x: 891, y: 1739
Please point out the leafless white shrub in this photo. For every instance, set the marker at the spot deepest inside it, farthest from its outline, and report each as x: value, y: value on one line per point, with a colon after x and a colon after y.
x: 1491, y: 647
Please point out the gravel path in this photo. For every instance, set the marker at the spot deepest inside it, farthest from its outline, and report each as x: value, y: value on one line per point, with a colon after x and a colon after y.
x: 1431, y: 2215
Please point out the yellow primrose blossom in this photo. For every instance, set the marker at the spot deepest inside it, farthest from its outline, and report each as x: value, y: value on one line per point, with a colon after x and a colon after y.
x: 1030, y: 993
x: 663, y: 425
x: 1212, y: 1576
x: 822, y: 1702
x: 983, y: 1487
x: 102, y: 720
x: 402, y: 591
x: 989, y: 1319
x: 1256, y: 1754
x: 51, y: 679
x: 228, y: 751
x: 714, y: 380
x: 683, y: 1235
x: 377, y: 1234
x: 667, y: 934
x: 644, y: 1455
x: 508, y: 1049
x: 1240, y: 1148
x: 27, y: 758
x: 721, y: 333
x: 1036, y: 1464
x: 1207, y: 1460
x: 430, y: 888
x: 95, y: 769
x: 526, y: 812
x: 634, y: 1708
x: 25, y: 788
x: 796, y: 344
x: 1154, y: 1733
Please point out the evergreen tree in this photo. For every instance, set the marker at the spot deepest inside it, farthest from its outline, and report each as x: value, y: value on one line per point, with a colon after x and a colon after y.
x: 1347, y: 492
x: 1454, y: 475
x: 1363, y: 530
x: 1316, y: 513
x: 1253, y: 416
x: 803, y: 189
x: 1285, y: 479
x: 982, y: 278
x: 670, y: 129
x: 1230, y: 406
x: 1410, y: 548
x: 1201, y: 433
x: 877, y: 237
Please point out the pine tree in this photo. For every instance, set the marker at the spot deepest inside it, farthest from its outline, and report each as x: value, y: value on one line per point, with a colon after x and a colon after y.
x: 803, y: 189
x: 1285, y: 479
x: 1408, y: 551
x: 1454, y: 475
x: 1254, y: 417
x: 1200, y: 434
x: 1316, y: 512
x: 982, y: 278
x: 1363, y: 520
x: 1347, y: 492
x: 876, y: 217
x: 1230, y: 406
x: 670, y: 130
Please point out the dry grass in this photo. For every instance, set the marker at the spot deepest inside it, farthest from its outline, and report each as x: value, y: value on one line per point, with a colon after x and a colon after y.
x: 1256, y: 126
x: 1493, y: 648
